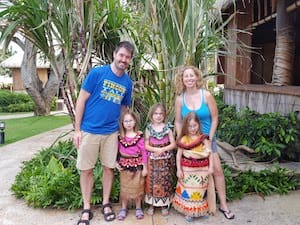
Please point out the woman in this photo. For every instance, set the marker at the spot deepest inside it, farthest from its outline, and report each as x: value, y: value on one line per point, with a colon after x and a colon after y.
x: 192, y: 98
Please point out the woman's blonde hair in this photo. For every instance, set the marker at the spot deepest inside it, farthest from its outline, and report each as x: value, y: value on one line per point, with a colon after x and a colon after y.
x: 179, y: 78
x: 121, y: 126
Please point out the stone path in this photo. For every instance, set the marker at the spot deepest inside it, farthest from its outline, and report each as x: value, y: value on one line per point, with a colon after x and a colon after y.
x: 252, y: 209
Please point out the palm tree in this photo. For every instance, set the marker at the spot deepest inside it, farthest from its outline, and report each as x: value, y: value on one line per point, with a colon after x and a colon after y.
x: 285, y: 47
x: 63, y: 31
x: 51, y: 27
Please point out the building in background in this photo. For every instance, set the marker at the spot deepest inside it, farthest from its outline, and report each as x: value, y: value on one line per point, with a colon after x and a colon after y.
x: 251, y: 78
x: 14, y: 64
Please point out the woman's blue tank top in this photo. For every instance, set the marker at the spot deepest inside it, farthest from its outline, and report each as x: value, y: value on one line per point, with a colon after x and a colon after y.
x: 202, y: 112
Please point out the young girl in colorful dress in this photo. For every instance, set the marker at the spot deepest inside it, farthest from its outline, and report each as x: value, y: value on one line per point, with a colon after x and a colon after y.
x: 160, y: 143
x: 194, y: 195
x: 132, y: 164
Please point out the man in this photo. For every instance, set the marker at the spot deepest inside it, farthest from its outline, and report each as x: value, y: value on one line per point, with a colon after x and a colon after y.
x: 105, y: 92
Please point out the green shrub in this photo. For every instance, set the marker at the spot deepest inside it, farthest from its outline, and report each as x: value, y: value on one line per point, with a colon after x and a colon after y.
x: 19, y: 102
x: 272, y: 135
x: 51, y: 179
x: 266, y: 182
x: 5, y: 98
x: 20, y: 107
x: 53, y: 104
x: 15, y: 102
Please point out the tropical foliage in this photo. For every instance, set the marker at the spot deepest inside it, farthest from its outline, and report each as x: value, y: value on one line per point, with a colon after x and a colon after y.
x: 173, y: 34
x: 265, y: 182
x: 4, y: 55
x: 51, y: 179
x: 44, y: 25
x: 63, y: 31
x: 273, y: 136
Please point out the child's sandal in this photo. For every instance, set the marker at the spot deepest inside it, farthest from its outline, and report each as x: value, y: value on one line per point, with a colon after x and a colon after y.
x: 122, y: 214
x: 139, y: 214
x: 189, y: 219
x: 165, y: 211
x: 150, y: 211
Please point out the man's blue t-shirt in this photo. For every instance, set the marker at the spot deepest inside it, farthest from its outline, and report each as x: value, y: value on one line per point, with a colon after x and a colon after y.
x: 107, y: 93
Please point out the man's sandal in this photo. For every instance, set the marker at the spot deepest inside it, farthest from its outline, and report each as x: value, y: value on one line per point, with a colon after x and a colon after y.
x: 86, y: 222
x: 109, y: 216
x: 228, y: 214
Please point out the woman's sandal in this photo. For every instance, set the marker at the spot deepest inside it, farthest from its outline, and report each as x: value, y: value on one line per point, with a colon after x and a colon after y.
x: 165, y: 210
x: 109, y: 216
x: 228, y: 214
x: 122, y: 214
x: 139, y: 214
x: 86, y: 222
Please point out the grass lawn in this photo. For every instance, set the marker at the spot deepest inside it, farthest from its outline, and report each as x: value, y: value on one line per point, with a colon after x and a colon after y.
x: 20, y: 128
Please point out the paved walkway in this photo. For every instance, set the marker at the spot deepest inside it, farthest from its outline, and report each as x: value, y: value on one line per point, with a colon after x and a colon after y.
x: 252, y: 209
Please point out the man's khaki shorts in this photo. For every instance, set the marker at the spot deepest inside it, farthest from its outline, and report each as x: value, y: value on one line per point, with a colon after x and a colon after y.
x: 93, y: 144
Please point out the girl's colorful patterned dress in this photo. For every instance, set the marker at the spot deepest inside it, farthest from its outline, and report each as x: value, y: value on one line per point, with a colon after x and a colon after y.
x: 132, y: 155
x: 158, y: 186
x: 191, y: 192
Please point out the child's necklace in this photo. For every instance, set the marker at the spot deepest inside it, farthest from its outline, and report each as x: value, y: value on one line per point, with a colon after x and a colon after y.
x: 132, y: 142
x: 194, y: 143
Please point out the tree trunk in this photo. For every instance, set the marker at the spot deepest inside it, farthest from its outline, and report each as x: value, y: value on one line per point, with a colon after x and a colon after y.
x: 285, y: 47
x: 42, y: 95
